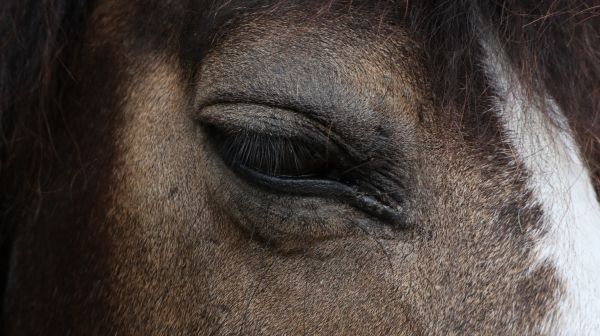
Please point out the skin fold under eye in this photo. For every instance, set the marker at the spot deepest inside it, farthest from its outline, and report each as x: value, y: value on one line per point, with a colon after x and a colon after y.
x: 302, y: 165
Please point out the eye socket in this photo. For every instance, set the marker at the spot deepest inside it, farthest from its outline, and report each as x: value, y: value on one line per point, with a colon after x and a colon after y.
x: 303, y: 166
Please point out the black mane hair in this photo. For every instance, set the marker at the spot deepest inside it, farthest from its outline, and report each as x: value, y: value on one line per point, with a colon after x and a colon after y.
x: 37, y: 40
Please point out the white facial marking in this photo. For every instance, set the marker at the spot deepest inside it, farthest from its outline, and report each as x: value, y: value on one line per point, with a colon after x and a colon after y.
x: 561, y: 184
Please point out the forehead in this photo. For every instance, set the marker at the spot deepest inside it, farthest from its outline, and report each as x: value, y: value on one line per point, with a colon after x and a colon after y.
x: 202, y: 22
x: 314, y: 67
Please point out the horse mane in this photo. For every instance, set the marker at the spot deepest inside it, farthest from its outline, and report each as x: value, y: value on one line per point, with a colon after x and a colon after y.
x: 36, y: 42
x: 554, y: 45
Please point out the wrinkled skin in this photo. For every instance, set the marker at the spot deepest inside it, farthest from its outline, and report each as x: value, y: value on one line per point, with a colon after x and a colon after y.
x: 148, y: 231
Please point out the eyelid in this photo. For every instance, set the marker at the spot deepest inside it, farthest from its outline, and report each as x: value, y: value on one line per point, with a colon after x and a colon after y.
x: 258, y: 118
x: 274, y: 121
x: 329, y: 189
x: 273, y: 155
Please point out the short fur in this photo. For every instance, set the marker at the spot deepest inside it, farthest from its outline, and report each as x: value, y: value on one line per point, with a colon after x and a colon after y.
x: 113, y: 257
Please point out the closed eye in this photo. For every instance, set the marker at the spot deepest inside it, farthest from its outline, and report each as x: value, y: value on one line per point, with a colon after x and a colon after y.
x: 273, y: 155
x: 296, y: 165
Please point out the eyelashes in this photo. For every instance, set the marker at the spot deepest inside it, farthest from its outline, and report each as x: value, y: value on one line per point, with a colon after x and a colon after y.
x: 277, y: 156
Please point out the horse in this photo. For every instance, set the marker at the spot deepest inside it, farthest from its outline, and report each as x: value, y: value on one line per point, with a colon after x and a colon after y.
x: 282, y: 167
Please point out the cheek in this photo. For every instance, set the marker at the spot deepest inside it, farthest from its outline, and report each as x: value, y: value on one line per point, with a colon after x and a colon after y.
x: 347, y: 287
x: 159, y: 212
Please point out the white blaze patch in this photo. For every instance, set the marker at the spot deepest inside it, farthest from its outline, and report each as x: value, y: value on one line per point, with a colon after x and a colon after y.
x: 561, y: 184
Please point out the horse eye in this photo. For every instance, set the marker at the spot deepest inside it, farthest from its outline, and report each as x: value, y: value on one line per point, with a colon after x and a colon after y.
x: 277, y: 156
x: 301, y: 166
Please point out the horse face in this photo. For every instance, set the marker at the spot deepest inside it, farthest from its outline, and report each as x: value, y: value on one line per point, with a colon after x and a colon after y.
x: 400, y: 215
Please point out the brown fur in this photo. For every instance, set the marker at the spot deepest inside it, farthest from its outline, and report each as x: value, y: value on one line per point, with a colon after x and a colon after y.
x: 139, y: 228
